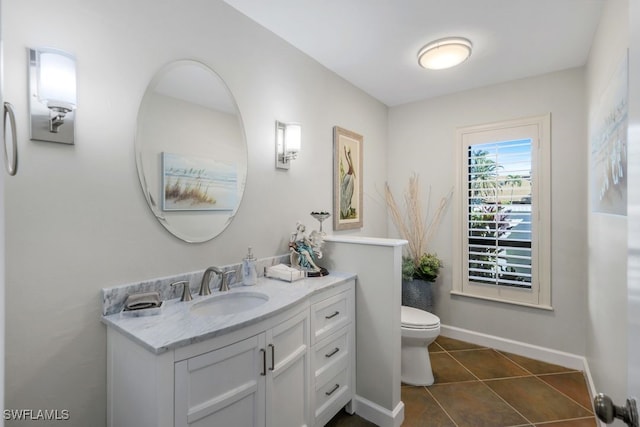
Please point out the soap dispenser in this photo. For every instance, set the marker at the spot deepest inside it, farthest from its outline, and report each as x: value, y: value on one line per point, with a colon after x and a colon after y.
x: 249, y: 270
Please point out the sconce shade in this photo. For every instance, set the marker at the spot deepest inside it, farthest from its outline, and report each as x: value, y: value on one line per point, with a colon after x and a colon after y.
x: 292, y: 139
x: 288, y: 143
x: 444, y: 53
x: 57, y: 79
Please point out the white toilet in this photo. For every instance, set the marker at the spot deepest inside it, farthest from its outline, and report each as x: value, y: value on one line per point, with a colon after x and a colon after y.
x: 419, y: 329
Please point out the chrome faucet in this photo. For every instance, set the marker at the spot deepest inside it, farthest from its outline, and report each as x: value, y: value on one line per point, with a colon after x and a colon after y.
x: 186, y: 293
x: 206, y: 278
x: 224, y: 284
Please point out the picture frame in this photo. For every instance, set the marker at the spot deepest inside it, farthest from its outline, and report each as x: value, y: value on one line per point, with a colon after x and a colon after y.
x: 347, y: 179
x: 609, y: 145
x: 191, y: 183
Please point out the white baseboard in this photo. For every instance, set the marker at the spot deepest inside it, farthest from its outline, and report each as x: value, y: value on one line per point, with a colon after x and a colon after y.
x: 572, y: 361
x: 378, y: 415
x: 569, y: 360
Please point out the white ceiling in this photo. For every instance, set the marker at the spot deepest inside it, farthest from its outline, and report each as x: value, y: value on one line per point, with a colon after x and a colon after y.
x: 374, y: 43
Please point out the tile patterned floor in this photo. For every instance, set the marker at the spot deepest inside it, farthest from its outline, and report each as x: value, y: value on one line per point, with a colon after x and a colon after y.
x: 477, y: 386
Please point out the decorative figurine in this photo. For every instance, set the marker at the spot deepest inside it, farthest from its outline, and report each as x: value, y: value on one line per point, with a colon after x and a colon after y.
x: 305, y: 251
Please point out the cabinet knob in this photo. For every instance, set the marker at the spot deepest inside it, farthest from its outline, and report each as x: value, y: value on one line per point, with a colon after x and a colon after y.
x: 264, y: 362
x: 332, y: 352
x: 273, y: 357
x: 333, y: 390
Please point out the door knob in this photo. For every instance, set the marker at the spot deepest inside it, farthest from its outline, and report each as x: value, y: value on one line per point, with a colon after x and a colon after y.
x: 607, y: 411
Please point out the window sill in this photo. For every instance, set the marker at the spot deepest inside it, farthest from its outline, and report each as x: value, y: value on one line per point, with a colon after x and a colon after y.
x: 504, y: 301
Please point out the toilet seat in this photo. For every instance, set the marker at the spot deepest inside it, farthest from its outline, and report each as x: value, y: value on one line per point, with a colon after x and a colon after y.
x: 414, y: 318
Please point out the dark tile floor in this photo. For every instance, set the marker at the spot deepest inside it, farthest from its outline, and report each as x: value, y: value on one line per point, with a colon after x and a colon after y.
x: 477, y: 386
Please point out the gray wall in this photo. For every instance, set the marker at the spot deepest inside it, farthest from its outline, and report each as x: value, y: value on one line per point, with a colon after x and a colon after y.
x: 76, y: 217
x: 422, y: 139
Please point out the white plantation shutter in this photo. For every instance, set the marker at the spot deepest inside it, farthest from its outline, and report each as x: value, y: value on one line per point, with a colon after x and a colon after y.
x: 502, y: 244
x: 499, y: 213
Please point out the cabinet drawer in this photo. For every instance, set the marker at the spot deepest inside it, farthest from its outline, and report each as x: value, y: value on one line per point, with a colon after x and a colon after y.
x: 330, y: 315
x: 331, y: 355
x: 332, y: 395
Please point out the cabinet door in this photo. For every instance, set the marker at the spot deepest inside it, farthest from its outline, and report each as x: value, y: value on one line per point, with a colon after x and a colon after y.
x: 288, y: 373
x: 223, y: 388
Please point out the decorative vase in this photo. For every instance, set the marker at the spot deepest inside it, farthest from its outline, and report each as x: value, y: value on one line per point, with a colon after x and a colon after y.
x: 418, y: 294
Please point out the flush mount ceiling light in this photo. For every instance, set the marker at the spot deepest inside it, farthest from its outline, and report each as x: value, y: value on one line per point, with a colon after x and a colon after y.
x: 444, y: 53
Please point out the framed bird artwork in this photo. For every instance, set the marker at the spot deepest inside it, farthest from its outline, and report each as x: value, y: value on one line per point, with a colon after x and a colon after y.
x: 347, y: 179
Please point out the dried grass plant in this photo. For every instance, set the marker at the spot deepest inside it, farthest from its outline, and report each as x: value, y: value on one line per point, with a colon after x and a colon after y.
x: 413, y: 225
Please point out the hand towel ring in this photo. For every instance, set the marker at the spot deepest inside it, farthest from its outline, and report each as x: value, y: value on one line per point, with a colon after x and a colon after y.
x: 11, y: 164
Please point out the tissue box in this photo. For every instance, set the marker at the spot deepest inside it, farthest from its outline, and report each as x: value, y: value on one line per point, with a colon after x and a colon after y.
x: 284, y: 272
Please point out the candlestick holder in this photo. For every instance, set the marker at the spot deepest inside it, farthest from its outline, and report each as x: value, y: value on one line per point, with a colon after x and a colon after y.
x: 320, y: 216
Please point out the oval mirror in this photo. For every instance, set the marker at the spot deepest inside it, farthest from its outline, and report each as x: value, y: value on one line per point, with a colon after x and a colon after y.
x: 191, y: 151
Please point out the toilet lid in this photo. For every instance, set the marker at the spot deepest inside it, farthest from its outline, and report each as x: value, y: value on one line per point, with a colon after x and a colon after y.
x: 416, y: 318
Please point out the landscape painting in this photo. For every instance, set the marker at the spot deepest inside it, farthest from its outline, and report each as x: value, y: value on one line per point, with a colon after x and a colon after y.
x: 196, y: 183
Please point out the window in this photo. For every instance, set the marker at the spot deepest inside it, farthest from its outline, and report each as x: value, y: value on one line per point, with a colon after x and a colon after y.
x: 502, y: 237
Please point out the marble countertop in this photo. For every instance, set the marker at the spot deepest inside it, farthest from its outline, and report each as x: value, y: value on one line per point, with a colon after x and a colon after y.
x: 175, y: 326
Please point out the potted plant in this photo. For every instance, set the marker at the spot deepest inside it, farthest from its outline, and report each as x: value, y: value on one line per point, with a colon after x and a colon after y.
x: 426, y: 269
x: 420, y: 268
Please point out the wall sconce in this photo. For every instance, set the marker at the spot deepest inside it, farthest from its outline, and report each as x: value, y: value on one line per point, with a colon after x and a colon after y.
x: 52, y: 95
x: 288, y: 140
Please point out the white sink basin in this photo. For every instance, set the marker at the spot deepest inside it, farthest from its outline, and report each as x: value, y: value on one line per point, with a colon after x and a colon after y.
x: 230, y: 303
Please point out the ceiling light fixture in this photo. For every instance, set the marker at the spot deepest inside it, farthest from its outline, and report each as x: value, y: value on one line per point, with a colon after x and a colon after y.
x: 444, y: 53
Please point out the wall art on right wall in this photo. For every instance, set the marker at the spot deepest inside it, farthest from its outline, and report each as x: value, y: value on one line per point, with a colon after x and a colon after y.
x: 608, y: 135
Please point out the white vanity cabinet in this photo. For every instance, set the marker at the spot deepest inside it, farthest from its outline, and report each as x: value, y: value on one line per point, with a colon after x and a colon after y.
x: 293, y: 368
x: 222, y: 387
x: 260, y: 379
x: 287, y: 377
x: 332, y: 354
